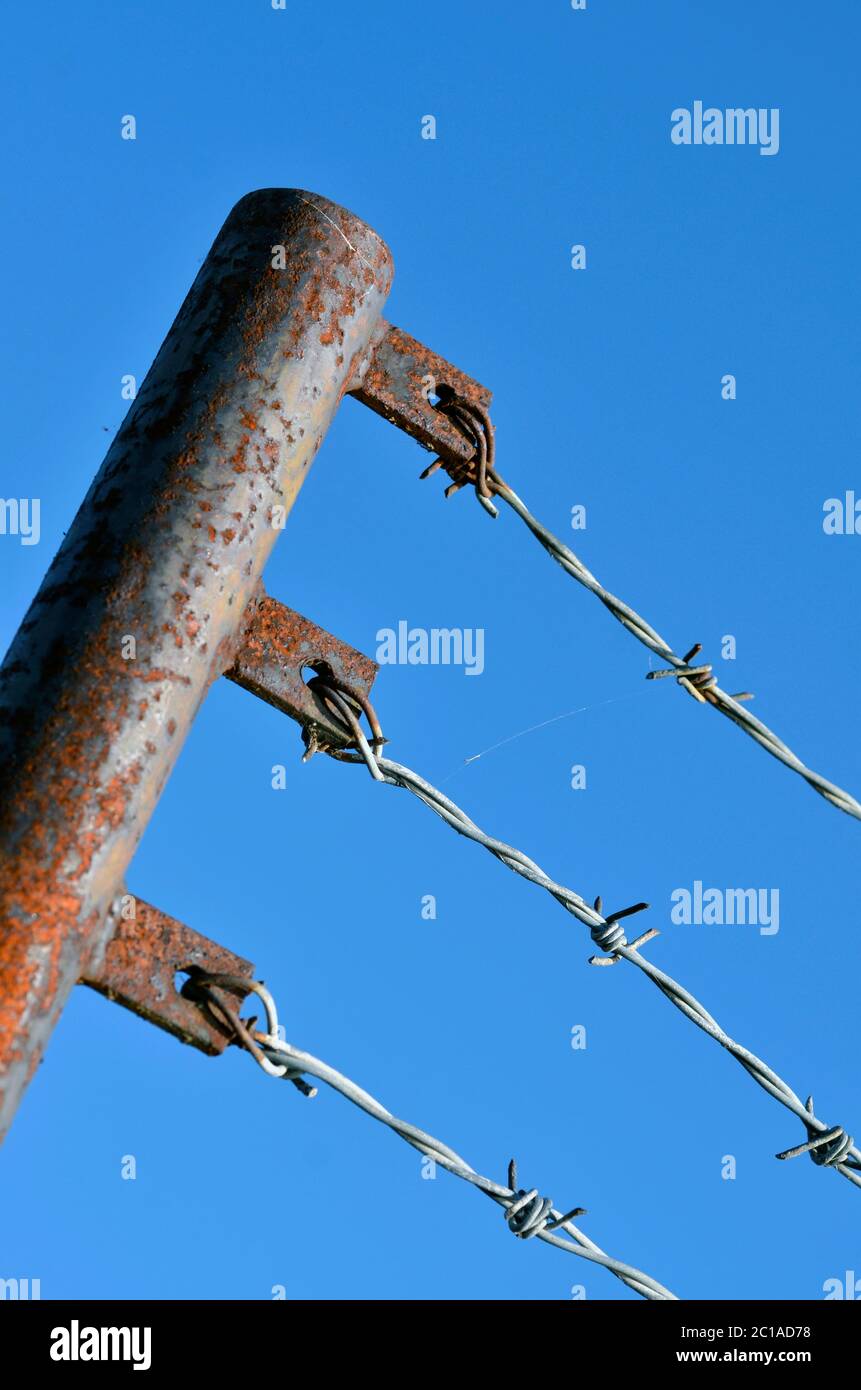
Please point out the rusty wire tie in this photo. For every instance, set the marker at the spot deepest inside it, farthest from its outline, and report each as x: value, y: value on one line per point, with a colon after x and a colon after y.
x: 345, y: 704
x: 828, y: 1146
x: 475, y: 422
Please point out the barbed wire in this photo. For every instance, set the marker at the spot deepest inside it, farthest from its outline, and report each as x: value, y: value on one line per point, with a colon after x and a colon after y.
x: 827, y: 1145
x: 527, y: 1213
x: 698, y: 681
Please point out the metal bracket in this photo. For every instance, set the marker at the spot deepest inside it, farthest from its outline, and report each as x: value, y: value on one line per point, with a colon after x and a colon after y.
x: 276, y: 644
x: 396, y: 379
x: 138, y: 970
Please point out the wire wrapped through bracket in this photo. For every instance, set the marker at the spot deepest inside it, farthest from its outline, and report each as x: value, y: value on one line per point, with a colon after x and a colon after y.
x: 479, y: 470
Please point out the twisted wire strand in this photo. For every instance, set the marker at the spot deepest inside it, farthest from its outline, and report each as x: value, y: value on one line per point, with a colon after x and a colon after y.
x: 827, y: 1145
x: 697, y: 680
x: 527, y: 1214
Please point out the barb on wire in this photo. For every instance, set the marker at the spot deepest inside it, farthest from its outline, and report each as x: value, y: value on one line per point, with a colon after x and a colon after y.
x: 527, y: 1214
x: 827, y: 1145
x: 698, y: 681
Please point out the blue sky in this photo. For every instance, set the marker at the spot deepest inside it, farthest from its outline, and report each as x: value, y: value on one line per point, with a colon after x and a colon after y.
x: 553, y: 128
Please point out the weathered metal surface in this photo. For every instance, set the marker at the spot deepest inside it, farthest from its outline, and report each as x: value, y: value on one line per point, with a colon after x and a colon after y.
x: 165, y: 553
x: 138, y: 970
x: 396, y: 380
x: 277, y: 644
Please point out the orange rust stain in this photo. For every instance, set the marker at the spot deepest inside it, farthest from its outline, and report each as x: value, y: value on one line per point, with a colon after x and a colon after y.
x: 114, y: 799
x: 315, y: 304
x: 237, y: 458
x: 87, y: 844
x: 160, y: 675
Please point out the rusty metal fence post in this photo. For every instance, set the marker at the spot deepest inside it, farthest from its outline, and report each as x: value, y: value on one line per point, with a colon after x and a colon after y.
x: 156, y: 592
x: 141, y: 608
